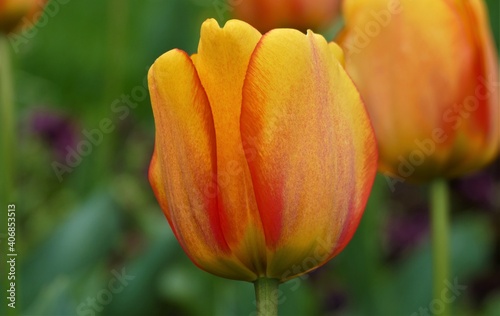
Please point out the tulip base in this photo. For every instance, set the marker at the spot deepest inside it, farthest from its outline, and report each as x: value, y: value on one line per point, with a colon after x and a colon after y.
x: 440, y: 238
x: 266, y: 293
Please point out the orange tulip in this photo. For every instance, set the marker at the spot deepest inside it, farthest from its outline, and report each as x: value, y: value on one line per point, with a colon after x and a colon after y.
x: 300, y: 14
x: 14, y: 14
x: 428, y: 72
x: 264, y: 154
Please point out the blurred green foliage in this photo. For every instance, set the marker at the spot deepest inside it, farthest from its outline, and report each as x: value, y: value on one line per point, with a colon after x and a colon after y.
x: 74, y: 236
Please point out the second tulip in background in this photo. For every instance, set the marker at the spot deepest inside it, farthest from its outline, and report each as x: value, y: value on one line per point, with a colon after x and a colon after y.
x: 428, y: 72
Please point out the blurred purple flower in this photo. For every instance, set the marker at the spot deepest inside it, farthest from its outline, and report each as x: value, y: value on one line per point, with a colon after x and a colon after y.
x: 485, y: 285
x: 477, y: 188
x: 405, y: 231
x: 336, y: 300
x: 57, y: 130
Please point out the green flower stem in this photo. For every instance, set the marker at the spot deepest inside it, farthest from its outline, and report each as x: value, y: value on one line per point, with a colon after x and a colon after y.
x: 7, y: 174
x: 266, y: 292
x: 6, y: 124
x: 117, y: 35
x: 440, y: 238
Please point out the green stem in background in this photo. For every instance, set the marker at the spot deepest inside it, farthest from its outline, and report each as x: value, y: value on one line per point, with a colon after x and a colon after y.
x: 7, y: 174
x: 117, y: 35
x: 440, y: 209
x: 266, y: 292
x: 117, y: 28
x: 6, y: 123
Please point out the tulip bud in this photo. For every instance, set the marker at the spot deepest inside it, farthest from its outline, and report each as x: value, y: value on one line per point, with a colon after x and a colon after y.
x: 428, y: 72
x: 14, y: 14
x: 264, y: 155
x: 299, y: 14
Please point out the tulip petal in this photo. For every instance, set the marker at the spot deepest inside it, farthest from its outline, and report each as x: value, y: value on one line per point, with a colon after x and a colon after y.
x: 480, y: 131
x: 183, y: 167
x: 316, y: 154
x: 490, y: 74
x: 337, y: 52
x: 221, y: 62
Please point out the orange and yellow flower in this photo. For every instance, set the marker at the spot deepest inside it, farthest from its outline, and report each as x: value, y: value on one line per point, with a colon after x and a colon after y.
x: 299, y: 14
x: 15, y: 14
x: 428, y: 72
x: 264, y: 155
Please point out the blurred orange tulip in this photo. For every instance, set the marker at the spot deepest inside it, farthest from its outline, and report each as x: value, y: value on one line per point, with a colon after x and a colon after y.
x: 14, y: 14
x: 264, y: 155
x: 299, y: 14
x: 428, y: 72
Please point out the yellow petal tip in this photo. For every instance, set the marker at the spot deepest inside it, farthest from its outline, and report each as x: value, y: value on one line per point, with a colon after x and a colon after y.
x: 338, y: 52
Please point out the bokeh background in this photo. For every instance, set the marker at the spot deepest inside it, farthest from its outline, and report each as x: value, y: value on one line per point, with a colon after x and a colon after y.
x: 95, y: 225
